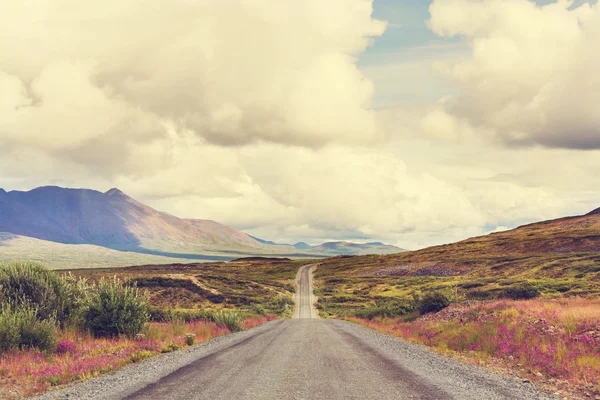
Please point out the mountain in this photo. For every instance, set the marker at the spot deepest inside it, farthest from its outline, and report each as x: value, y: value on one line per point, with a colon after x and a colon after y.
x: 348, y: 248
x: 116, y: 221
x: 302, y: 246
x: 113, y: 220
x: 565, y: 247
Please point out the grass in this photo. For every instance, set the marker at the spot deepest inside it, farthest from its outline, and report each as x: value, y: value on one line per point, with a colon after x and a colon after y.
x: 350, y: 285
x: 188, y: 304
x: 553, y: 340
x: 80, y: 356
x: 245, y: 286
x: 553, y: 337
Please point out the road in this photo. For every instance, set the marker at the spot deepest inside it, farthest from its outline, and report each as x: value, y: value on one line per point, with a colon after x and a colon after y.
x: 305, y: 298
x: 305, y: 358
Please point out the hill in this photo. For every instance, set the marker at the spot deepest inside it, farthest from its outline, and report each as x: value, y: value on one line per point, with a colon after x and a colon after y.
x: 113, y: 220
x: 550, y: 258
x: 548, y: 248
x: 116, y: 221
x: 76, y: 256
x: 348, y: 248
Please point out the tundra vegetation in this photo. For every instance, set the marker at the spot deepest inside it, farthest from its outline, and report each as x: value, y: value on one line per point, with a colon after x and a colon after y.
x: 536, y: 317
x: 60, y: 327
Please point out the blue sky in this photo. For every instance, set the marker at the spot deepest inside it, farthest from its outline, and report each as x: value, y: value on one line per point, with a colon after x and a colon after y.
x: 408, y: 28
x: 409, y: 46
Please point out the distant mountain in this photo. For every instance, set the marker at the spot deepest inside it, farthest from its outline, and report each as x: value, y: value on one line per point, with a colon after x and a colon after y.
x: 302, y: 246
x: 116, y: 221
x: 113, y: 220
x: 348, y: 248
x: 265, y: 241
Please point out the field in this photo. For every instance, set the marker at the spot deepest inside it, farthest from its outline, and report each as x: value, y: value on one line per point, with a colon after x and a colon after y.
x: 64, y: 256
x: 555, y: 343
x: 533, y: 316
x: 263, y: 286
x: 187, y: 304
x: 346, y: 285
x: 79, y: 356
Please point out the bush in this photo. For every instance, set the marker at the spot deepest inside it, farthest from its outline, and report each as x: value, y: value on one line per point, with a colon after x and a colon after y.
x: 22, y: 329
x: 281, y: 305
x: 433, y: 302
x: 9, y: 329
x: 26, y: 284
x: 170, y: 347
x: 258, y: 309
x: 230, y: 319
x: 190, y: 338
x: 37, y: 334
x: 387, y: 309
x: 116, y: 310
x: 523, y: 290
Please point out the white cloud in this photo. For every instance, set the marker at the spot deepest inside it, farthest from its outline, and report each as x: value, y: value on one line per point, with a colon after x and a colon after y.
x: 532, y: 76
x: 178, y: 106
x: 233, y: 72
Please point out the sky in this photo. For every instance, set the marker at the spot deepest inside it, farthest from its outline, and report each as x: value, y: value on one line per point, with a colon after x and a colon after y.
x: 409, y: 122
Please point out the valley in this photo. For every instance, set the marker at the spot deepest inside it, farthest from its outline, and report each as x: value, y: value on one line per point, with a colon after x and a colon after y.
x: 522, y: 302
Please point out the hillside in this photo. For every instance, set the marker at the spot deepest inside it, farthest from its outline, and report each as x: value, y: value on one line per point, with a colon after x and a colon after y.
x: 116, y: 221
x: 339, y: 248
x: 75, y: 256
x: 549, y: 248
x: 113, y: 220
x: 550, y: 258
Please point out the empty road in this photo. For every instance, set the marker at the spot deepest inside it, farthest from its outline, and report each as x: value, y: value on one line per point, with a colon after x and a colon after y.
x: 303, y: 358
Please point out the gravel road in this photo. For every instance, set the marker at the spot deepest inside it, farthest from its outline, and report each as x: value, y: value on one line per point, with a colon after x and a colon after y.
x: 302, y: 358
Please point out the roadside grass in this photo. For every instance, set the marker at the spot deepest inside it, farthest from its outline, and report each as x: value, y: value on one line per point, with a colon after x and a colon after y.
x: 250, y: 287
x: 80, y: 356
x: 347, y: 286
x: 535, y: 314
x: 555, y: 342
x: 186, y: 304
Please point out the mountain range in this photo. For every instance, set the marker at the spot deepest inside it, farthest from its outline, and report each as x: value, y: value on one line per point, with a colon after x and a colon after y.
x: 116, y: 221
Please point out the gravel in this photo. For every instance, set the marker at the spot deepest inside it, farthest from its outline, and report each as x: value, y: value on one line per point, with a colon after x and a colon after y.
x: 419, y: 369
x: 303, y: 358
x: 460, y: 380
x: 134, y: 377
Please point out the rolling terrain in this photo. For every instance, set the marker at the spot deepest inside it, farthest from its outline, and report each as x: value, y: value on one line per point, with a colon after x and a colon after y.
x: 65, y: 256
x: 55, y: 219
x: 553, y: 258
x: 302, y: 358
x: 113, y: 220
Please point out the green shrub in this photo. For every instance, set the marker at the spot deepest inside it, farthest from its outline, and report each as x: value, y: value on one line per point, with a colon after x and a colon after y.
x: 37, y: 334
x: 190, y: 338
x: 387, y: 309
x: 433, y: 302
x: 116, y: 309
x: 170, y: 347
x: 258, y: 309
x: 523, y: 290
x: 9, y: 329
x: 22, y: 329
x: 230, y: 319
x: 281, y: 305
x: 30, y: 284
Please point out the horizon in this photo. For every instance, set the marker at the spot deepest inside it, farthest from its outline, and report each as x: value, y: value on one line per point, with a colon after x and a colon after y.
x: 403, y: 122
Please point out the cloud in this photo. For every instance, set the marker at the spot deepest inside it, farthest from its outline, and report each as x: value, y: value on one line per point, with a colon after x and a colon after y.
x: 253, y: 113
x: 88, y: 80
x: 532, y: 76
